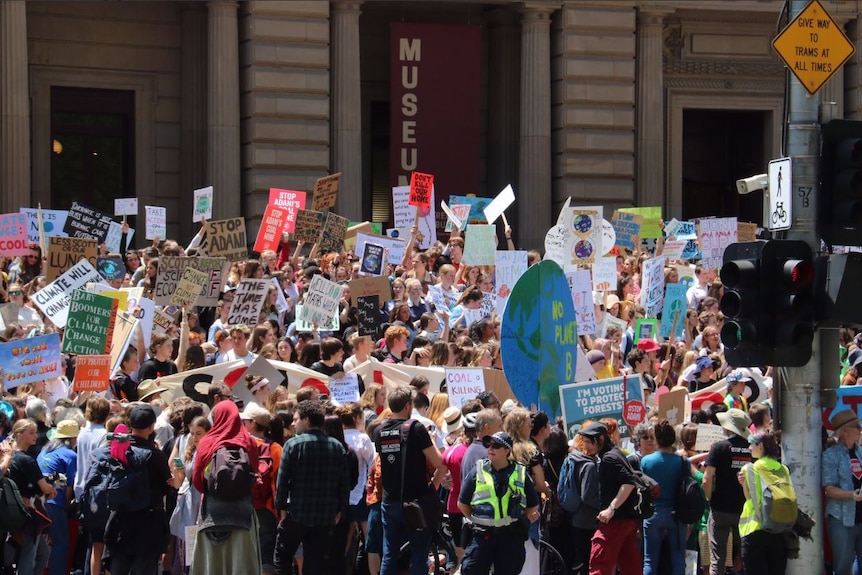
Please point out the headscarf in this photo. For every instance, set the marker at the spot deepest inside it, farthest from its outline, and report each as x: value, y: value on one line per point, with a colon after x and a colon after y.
x: 227, y: 430
x: 121, y: 444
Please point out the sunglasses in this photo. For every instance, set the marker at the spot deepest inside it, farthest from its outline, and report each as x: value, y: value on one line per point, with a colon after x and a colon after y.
x: 32, y: 257
x: 493, y: 445
x: 16, y: 292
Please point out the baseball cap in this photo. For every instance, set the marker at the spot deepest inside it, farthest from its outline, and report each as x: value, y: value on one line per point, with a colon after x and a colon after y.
x: 736, y: 376
x: 593, y: 430
x: 648, y: 344
x: 142, y: 416
x: 500, y: 438
x: 257, y: 414
x: 702, y: 363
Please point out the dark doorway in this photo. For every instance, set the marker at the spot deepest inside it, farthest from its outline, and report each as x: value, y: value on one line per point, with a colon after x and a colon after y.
x: 92, y: 144
x: 719, y: 148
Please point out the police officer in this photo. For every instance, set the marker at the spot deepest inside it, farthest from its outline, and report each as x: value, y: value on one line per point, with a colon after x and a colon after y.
x: 498, y: 496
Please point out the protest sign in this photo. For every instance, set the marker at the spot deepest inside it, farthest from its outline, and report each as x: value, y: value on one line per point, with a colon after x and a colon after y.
x: 619, y: 398
x: 609, y: 320
x: 463, y: 384
x: 334, y: 229
x: 673, y: 249
x: 125, y: 206
x: 281, y: 304
x: 555, y: 245
x: 248, y: 301
x: 715, y: 235
x: 63, y: 253
x: 580, y: 286
x: 54, y: 299
x: 674, y: 310
x: 53, y: 222
x: 456, y: 215
x: 746, y: 232
x: 707, y: 434
x: 499, y: 204
x: 29, y: 360
x: 203, y: 206
x: 372, y: 260
x: 162, y: 322
x: 92, y: 373
x: 190, y: 286
x: 325, y: 192
x: 321, y: 301
x: 583, y: 226
x: 489, y: 304
x: 368, y: 316
x: 271, y: 226
x: 309, y: 224
x: 89, y: 324
x: 156, y: 222
x: 509, y: 266
x: 609, y: 237
x: 360, y: 228
x: 125, y: 328
x: 404, y: 216
x: 345, y: 389
x: 477, y: 208
x: 226, y: 238
x: 584, y: 370
x: 651, y: 223
x: 115, y: 236
x: 442, y: 301
x: 111, y: 268
x: 13, y: 234
x: 681, y: 230
x: 645, y: 328
x: 171, y: 270
x: 374, y: 285
x: 672, y: 406
x: 121, y: 296
x: 420, y: 189
x: 333, y: 324
x: 394, y: 245
x: 652, y: 290
x: 605, y: 273
x: 289, y: 200
x: 627, y: 226
x: 86, y: 222
x: 479, y: 245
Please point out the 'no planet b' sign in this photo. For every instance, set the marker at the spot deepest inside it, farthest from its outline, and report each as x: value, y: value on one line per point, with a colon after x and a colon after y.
x: 539, y: 337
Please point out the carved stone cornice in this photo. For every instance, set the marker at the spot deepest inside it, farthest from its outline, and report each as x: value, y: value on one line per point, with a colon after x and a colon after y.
x: 687, y: 67
x: 713, y: 84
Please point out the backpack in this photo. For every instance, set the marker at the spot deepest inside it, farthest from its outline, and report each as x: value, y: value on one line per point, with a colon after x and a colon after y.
x: 13, y: 513
x: 778, y: 509
x: 128, y: 487
x: 568, y: 487
x: 229, y: 474
x: 689, y: 504
x: 94, y: 499
x: 261, y: 493
x: 640, y: 504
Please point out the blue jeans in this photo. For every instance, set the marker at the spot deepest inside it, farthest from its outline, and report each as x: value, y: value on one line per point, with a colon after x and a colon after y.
x: 395, y: 535
x: 846, y: 545
x: 59, y: 539
x: 34, y: 553
x: 655, y: 528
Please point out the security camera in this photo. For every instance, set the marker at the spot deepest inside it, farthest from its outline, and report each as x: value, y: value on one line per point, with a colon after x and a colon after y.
x: 752, y: 184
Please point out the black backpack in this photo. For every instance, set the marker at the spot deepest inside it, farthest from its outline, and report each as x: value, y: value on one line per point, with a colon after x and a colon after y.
x: 690, y: 503
x: 13, y: 513
x: 94, y: 510
x: 229, y: 474
x: 128, y: 486
x: 640, y: 504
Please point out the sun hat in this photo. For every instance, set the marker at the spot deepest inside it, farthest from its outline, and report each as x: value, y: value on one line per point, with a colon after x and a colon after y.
x: 736, y: 376
x: 149, y: 387
x: 735, y: 421
x: 702, y: 363
x: 452, y: 420
x: 844, y: 418
x: 67, y: 429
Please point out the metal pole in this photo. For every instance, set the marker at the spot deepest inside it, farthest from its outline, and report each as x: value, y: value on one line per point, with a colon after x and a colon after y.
x: 799, y: 396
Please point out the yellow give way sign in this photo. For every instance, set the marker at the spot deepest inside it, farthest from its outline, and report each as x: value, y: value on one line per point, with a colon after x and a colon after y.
x: 813, y: 46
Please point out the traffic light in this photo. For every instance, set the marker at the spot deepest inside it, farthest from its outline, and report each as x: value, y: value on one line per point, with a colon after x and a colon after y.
x: 840, y: 199
x: 741, y: 305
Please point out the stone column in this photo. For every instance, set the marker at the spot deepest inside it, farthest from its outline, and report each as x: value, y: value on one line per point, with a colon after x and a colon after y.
x: 534, y: 160
x: 223, y: 161
x: 14, y: 107
x: 346, y: 108
x: 503, y: 86
x: 649, y: 157
x: 193, y: 127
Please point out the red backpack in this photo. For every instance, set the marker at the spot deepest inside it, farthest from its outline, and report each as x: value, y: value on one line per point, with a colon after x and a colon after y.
x: 262, y: 490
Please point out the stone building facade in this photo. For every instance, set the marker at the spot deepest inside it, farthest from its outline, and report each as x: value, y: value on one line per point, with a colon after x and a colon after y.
x: 612, y: 102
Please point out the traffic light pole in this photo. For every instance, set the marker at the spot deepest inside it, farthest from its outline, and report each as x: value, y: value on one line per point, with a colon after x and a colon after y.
x: 798, y: 389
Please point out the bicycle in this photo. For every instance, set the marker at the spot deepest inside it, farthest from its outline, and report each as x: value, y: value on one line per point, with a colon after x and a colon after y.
x: 441, y: 546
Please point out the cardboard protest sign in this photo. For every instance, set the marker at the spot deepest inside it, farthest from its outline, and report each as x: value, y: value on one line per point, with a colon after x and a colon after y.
x: 404, y: 215
x: 480, y: 244
x: 171, y: 270
x: 674, y: 310
x: 420, y: 189
x: 746, y: 232
x: 626, y: 226
x: 681, y: 230
x: 115, y: 236
x: 309, y: 224
x: 321, y: 300
x: 509, y: 266
x: 652, y: 287
x: 63, y: 253
x: 374, y: 285
x: 289, y: 200
x: 605, y: 273
x: 489, y: 304
x: 92, y: 373
x: 248, y: 301
x: 334, y: 229
x: 30, y: 360
x: 715, y: 235
x: 456, y: 215
x: 125, y: 328
x: 651, y: 223
x: 203, y: 206
x: 609, y: 237
x: 156, y: 222
x: 673, y: 406
x: 372, y: 260
x: 499, y: 204
x: 271, y: 226
x: 13, y: 234
x: 477, y: 207
x: 54, y: 299
x: 121, y: 296
x: 673, y: 249
x: 394, y: 246
x: 53, y: 222
x: 584, y: 235
x: 162, y: 322
x: 707, y: 434
x: 125, y: 206
x: 646, y: 328
x: 539, y: 337
x: 332, y: 324
x: 86, y: 222
x: 368, y: 316
x: 583, y: 370
x: 345, y: 389
x: 190, y: 286
x: 463, y: 384
x: 352, y: 230
x: 226, y: 238
x: 111, y: 268
x: 580, y: 286
x: 325, y: 192
x: 89, y: 324
x: 620, y: 398
x: 555, y: 245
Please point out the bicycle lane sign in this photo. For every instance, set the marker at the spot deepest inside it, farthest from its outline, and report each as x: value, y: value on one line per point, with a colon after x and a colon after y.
x: 778, y: 216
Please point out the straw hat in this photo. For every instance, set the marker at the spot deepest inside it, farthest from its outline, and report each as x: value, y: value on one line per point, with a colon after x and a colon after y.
x: 844, y: 418
x: 67, y: 429
x: 149, y: 387
x: 452, y: 420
